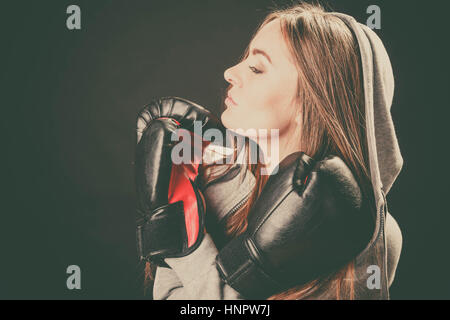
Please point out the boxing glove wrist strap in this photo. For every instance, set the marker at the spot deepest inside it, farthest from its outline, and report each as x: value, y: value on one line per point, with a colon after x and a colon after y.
x: 153, y: 229
x: 239, y: 268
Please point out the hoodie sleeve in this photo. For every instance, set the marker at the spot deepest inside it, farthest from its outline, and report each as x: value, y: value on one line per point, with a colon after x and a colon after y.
x: 193, y: 277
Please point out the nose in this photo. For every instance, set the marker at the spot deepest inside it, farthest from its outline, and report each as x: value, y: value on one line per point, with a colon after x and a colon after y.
x: 231, y: 76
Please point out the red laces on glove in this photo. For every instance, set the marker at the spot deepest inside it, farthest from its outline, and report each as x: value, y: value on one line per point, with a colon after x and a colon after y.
x: 181, y: 189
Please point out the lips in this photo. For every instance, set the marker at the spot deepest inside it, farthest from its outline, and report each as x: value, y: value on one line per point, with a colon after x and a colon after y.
x: 230, y: 101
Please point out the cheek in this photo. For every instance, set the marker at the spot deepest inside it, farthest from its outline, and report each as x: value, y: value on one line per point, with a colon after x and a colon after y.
x: 273, y: 105
x: 265, y: 105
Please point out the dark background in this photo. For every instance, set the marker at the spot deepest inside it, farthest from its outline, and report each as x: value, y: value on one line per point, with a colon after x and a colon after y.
x: 69, y: 103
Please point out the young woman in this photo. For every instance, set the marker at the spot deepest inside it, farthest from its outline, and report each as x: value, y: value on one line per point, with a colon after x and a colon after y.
x: 325, y: 82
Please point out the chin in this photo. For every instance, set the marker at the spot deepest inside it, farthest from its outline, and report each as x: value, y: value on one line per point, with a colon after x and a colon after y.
x: 232, y: 121
x: 237, y: 122
x: 225, y: 118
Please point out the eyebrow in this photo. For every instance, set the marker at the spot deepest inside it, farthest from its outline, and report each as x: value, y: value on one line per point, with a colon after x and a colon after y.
x: 259, y: 51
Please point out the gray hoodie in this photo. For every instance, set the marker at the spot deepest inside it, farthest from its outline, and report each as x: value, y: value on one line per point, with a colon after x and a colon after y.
x: 196, y: 277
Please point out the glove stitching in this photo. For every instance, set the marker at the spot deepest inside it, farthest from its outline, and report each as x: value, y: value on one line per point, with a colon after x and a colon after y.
x: 271, y: 212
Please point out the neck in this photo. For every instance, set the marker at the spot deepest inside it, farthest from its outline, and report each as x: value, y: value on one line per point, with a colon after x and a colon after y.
x: 275, y: 149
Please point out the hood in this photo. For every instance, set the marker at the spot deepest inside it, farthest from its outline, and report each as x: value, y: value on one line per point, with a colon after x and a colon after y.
x: 384, y: 153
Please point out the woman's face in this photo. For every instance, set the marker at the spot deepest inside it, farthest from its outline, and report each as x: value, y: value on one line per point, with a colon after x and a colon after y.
x: 263, y: 86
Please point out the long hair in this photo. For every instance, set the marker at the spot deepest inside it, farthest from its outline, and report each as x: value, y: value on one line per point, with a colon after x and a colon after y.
x: 331, y: 97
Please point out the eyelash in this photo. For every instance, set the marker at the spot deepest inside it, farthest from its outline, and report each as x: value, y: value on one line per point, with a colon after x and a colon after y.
x: 254, y: 70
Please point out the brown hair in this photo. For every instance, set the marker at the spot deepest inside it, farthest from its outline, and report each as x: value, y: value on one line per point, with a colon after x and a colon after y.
x: 331, y: 98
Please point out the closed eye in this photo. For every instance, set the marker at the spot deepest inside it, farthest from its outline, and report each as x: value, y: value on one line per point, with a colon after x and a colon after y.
x: 254, y: 70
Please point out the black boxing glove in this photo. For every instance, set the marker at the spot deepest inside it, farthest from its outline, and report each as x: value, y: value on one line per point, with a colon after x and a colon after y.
x: 170, y: 205
x: 185, y: 112
x: 309, y: 221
